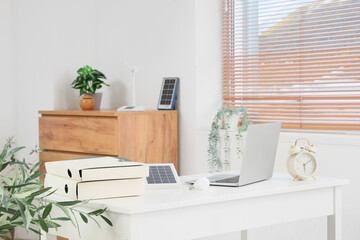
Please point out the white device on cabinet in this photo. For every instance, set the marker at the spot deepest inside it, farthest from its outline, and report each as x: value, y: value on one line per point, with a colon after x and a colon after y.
x: 133, y: 107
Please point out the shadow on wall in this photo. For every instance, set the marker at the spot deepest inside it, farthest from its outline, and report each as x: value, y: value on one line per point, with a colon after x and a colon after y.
x: 65, y: 98
x: 117, y: 94
x: 71, y: 100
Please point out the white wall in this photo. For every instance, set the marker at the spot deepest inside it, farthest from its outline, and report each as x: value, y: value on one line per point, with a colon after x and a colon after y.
x: 7, y: 96
x: 45, y: 42
x: 33, y: 73
x: 208, y: 96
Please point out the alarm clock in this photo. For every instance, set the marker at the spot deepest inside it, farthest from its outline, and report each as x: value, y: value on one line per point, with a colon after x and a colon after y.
x: 302, y: 161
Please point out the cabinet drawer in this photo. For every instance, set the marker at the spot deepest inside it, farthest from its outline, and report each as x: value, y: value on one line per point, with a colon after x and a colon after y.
x: 79, y: 134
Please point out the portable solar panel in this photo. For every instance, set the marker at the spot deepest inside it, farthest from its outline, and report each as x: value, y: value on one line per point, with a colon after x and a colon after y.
x: 168, y: 93
x: 162, y: 175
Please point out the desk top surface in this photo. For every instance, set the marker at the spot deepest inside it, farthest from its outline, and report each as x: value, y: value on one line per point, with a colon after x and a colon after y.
x: 163, y: 199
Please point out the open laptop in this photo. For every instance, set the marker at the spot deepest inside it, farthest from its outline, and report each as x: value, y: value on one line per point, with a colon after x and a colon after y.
x: 258, y: 160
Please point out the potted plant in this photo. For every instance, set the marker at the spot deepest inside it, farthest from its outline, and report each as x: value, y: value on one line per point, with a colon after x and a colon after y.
x: 219, y: 137
x: 22, y: 201
x: 88, y: 81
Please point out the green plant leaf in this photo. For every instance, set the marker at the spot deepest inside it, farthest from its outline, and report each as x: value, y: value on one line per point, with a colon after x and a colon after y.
x: 15, y: 216
x: 76, y: 221
x: 35, y: 167
x: 84, y: 218
x: 78, y: 86
x: 21, y: 185
x: 47, y: 211
x: 35, y: 231
x: 3, y: 219
x: 21, y: 195
x: 69, y: 203
x: 41, y: 191
x: 106, y: 220
x: 7, y: 180
x: 52, y: 224
x: 43, y: 225
x: 101, y: 75
x: 66, y: 211
x: 29, y: 217
x: 20, y: 205
x: 23, y: 174
x: 34, y: 175
x: 50, y: 193
x: 3, y: 153
x: 61, y: 219
x: 4, y: 165
x: 92, y: 89
x: 15, y: 150
x: 97, y: 212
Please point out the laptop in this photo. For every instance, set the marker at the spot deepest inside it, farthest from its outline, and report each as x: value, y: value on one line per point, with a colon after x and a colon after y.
x: 258, y: 160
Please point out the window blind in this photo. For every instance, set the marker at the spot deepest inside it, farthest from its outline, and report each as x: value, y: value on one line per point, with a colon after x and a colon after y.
x: 296, y: 61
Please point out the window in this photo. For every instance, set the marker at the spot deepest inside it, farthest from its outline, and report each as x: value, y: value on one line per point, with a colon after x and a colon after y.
x: 296, y: 61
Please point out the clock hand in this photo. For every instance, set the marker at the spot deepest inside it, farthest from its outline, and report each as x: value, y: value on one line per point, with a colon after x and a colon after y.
x: 308, y: 162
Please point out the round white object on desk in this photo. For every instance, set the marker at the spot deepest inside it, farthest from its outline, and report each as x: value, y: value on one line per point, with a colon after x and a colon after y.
x: 202, y: 183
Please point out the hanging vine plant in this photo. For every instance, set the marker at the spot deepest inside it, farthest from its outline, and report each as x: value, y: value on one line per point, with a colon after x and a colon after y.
x: 217, y: 141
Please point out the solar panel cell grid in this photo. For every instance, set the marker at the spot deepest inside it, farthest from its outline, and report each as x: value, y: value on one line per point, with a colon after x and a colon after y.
x: 160, y: 175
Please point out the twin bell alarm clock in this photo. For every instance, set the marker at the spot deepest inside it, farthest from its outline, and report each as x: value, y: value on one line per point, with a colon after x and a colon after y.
x: 302, y: 161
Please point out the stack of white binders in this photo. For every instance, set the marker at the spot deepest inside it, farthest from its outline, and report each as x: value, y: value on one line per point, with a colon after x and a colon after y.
x: 95, y: 178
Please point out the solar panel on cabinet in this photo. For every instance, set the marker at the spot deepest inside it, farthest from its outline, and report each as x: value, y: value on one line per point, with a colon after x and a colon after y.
x: 168, y: 93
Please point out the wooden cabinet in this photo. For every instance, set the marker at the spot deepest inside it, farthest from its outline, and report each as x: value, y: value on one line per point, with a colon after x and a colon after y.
x: 149, y: 137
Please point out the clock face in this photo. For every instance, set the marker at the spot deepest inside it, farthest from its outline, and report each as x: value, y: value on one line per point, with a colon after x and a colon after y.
x: 305, y: 164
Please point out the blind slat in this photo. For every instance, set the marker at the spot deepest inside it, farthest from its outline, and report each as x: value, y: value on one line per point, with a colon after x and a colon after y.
x: 297, y: 62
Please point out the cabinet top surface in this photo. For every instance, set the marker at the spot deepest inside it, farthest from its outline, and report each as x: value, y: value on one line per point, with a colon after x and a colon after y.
x: 102, y: 113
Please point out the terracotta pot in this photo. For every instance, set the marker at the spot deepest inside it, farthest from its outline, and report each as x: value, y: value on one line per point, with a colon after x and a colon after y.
x: 87, y: 102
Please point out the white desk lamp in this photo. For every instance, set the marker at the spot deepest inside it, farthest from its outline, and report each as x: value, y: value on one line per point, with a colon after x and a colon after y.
x: 133, y: 107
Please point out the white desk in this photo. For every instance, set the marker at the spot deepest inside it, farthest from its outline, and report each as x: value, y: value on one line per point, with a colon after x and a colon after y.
x: 184, y: 214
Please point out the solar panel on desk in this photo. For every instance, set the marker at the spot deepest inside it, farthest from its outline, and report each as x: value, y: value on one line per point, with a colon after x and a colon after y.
x: 162, y: 174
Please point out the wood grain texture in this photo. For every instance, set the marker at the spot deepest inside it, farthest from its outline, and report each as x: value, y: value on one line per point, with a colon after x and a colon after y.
x: 48, y: 155
x: 61, y: 238
x: 150, y: 138
x: 79, y: 134
x: 171, y: 140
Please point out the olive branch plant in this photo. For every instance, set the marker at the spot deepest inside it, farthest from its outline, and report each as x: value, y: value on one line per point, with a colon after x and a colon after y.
x: 221, y: 122
x: 23, y: 201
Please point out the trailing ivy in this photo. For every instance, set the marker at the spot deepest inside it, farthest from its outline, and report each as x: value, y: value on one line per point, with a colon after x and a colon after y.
x: 220, y: 122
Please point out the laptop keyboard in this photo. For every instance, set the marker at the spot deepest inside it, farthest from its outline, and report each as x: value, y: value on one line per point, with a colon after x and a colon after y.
x: 224, y: 178
x: 234, y: 179
x: 221, y: 178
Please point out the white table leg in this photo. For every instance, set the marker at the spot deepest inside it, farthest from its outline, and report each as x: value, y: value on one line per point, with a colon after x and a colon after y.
x: 334, y: 222
x: 43, y: 235
x: 244, y: 235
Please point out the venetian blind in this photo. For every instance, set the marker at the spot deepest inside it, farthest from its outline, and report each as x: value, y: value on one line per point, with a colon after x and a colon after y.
x: 296, y: 61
